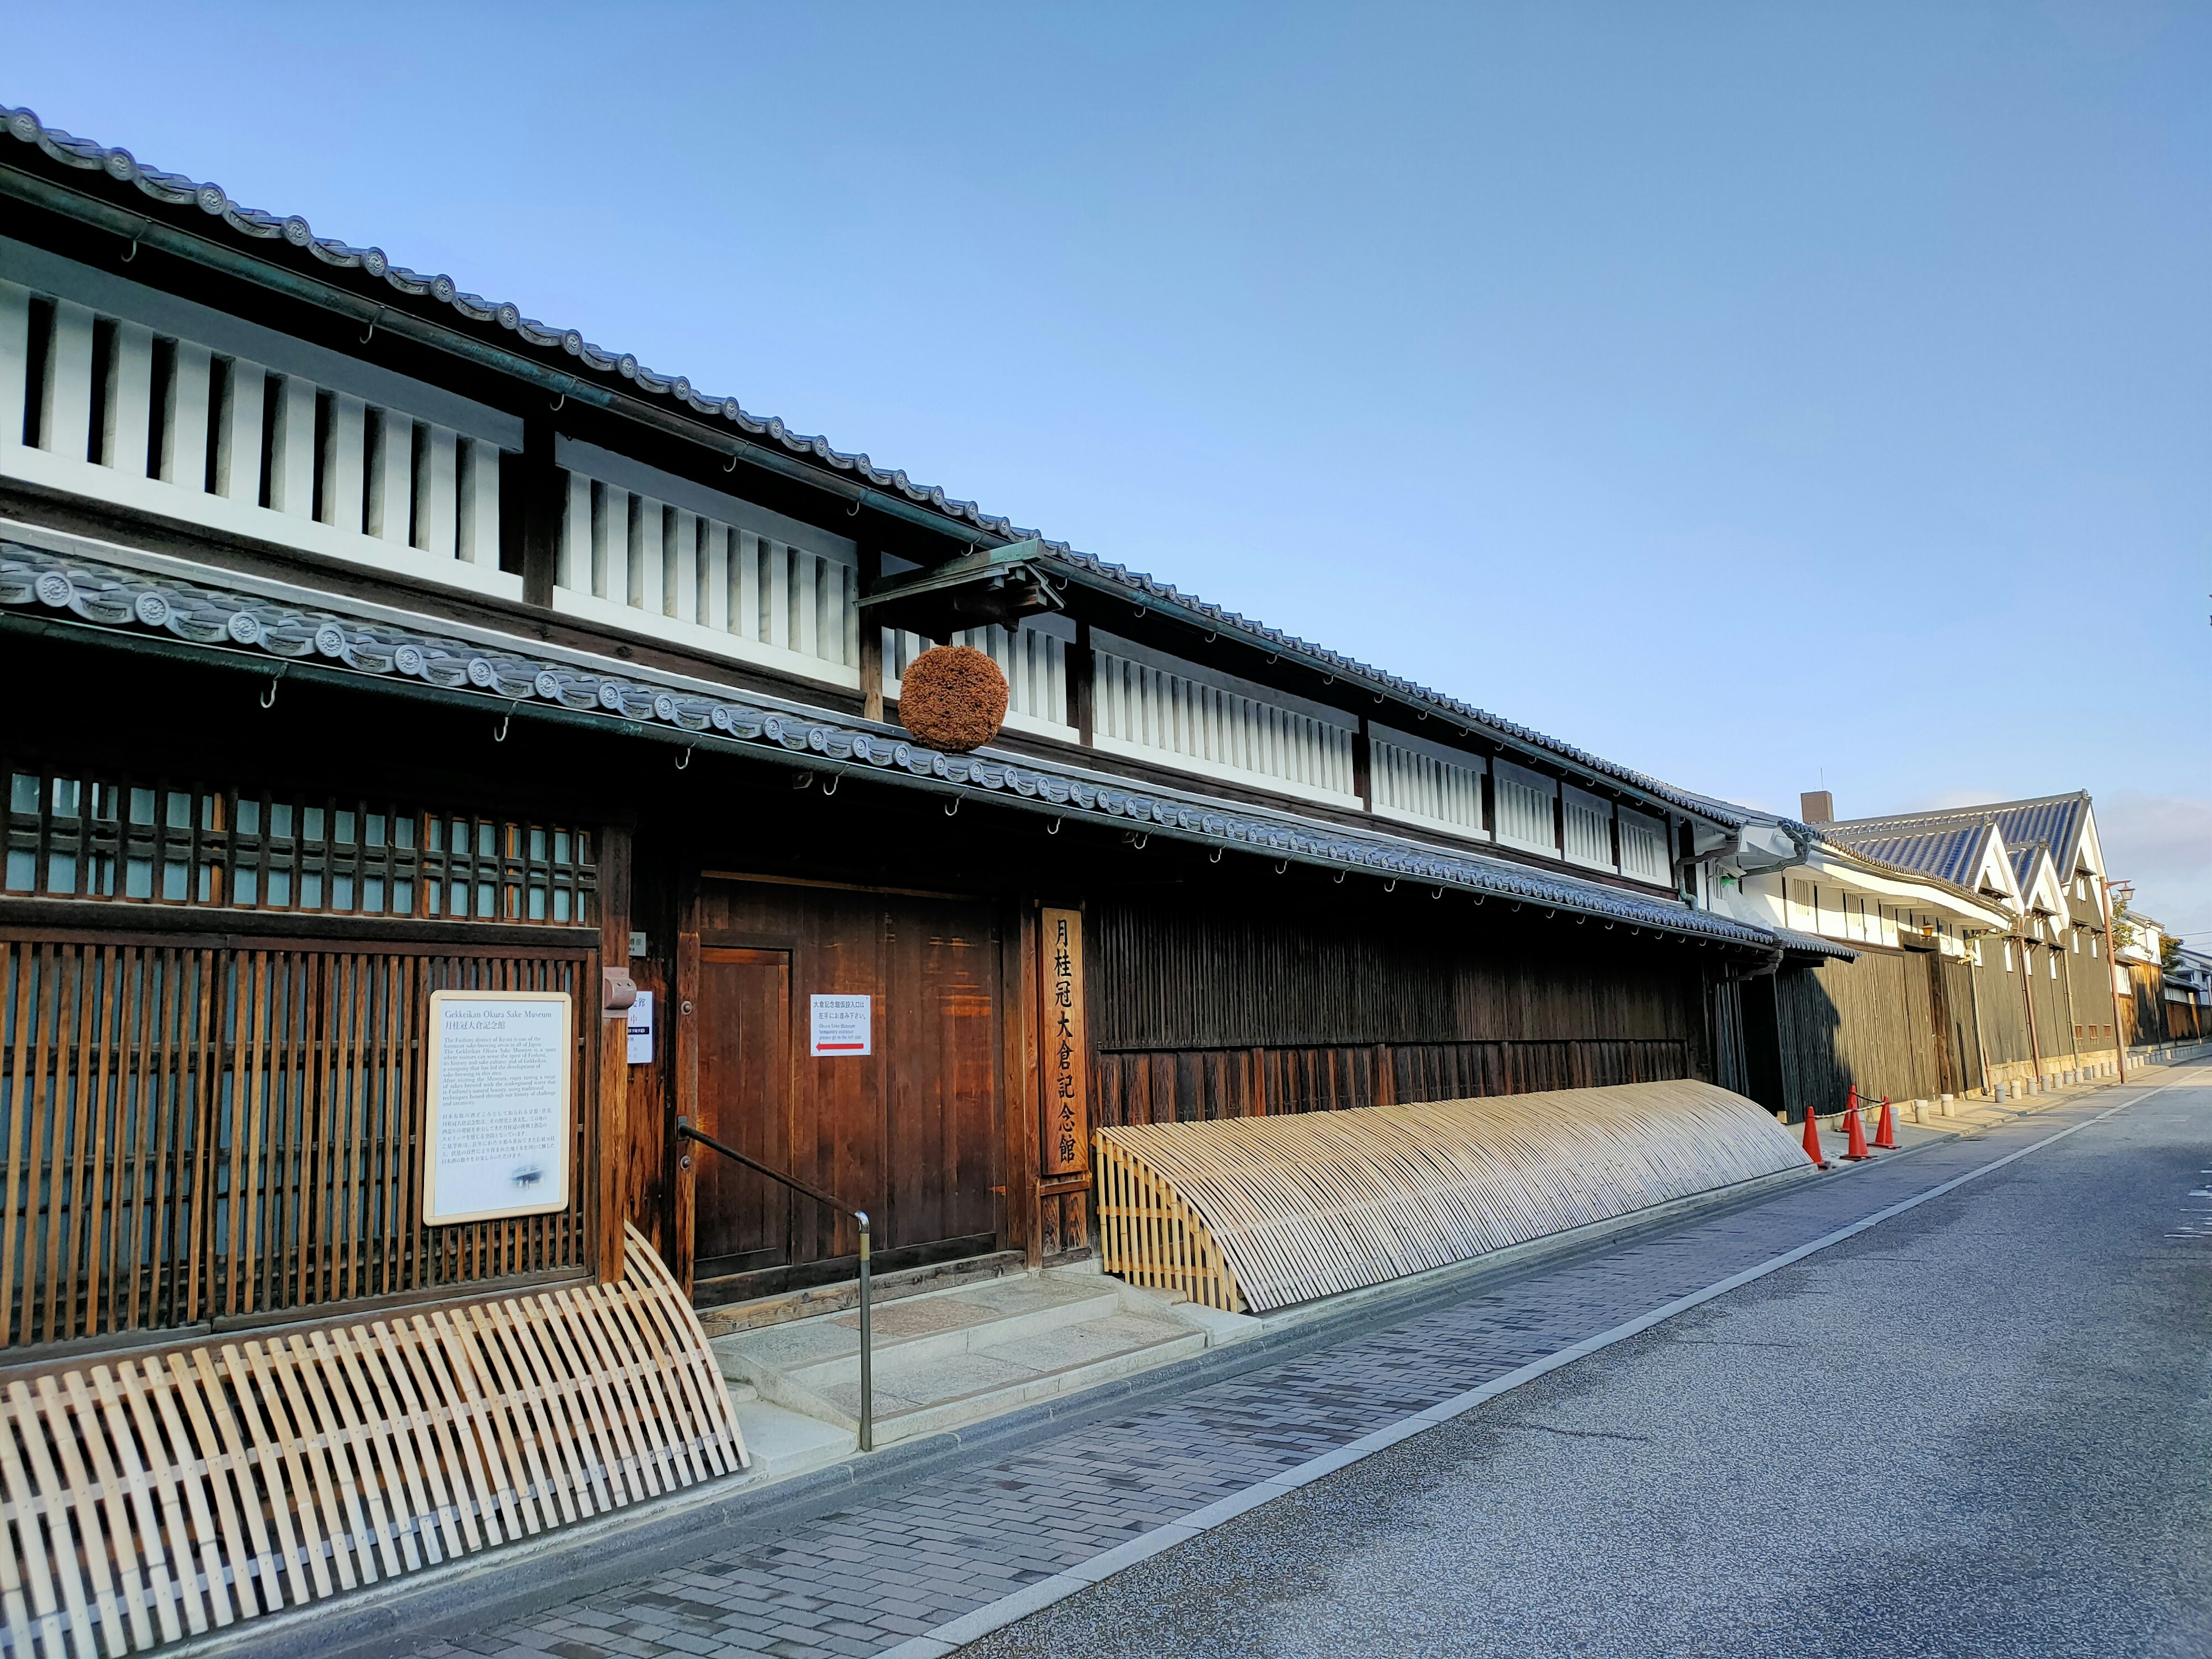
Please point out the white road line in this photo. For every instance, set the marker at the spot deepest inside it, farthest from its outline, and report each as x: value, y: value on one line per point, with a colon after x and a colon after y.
x: 1034, y: 1598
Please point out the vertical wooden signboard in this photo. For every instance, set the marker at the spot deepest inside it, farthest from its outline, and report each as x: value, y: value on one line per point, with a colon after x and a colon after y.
x: 1066, y: 1097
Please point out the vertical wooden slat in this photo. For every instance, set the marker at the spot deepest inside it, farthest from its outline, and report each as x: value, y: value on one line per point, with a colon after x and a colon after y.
x: 19, y: 1208
x: 53, y: 1117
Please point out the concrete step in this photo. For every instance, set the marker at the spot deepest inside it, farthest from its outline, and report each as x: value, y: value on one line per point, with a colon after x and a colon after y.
x: 782, y: 1443
x: 928, y: 1396
x: 723, y: 1318
x: 963, y: 1354
x: 931, y: 1330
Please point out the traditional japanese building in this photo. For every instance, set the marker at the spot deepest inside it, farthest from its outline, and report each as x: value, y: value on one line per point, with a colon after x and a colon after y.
x: 374, y: 643
x: 1984, y: 941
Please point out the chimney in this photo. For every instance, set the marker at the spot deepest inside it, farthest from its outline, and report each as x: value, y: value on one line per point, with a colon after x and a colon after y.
x: 1817, y: 807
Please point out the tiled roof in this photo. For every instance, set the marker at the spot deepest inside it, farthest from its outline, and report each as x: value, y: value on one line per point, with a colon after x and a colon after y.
x: 82, y: 591
x: 174, y: 190
x: 1951, y: 854
x: 1812, y: 944
x: 2056, y: 821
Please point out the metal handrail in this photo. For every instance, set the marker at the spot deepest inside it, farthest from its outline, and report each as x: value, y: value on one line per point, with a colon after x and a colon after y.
x: 686, y: 1132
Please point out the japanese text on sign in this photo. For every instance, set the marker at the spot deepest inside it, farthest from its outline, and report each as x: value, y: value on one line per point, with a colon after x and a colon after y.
x: 1066, y: 1114
x: 839, y: 1025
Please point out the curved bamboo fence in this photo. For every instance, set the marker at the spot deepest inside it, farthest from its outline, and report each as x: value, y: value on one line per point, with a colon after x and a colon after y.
x: 1250, y: 1214
x: 164, y: 1494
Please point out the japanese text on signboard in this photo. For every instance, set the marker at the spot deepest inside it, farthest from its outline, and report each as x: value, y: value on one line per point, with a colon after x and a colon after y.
x: 1066, y: 1107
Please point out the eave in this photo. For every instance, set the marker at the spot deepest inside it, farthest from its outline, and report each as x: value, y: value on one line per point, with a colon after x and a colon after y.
x: 269, y: 629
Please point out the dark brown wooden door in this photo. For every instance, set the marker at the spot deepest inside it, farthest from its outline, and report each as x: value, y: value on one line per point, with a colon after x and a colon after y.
x: 744, y: 1220
x: 943, y: 1069
x: 911, y: 1132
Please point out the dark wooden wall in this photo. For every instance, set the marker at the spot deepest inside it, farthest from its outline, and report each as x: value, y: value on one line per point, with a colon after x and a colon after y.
x: 1207, y: 1010
x: 1896, y: 1023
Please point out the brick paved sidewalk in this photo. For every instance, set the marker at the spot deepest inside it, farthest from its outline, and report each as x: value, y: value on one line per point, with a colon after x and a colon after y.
x: 866, y: 1578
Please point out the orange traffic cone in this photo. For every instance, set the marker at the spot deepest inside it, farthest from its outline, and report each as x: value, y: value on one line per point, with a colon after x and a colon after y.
x: 1855, y: 1151
x: 1813, y: 1140
x: 1885, y: 1134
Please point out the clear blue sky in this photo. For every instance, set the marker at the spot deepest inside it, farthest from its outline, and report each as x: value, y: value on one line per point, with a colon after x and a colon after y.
x: 1750, y: 393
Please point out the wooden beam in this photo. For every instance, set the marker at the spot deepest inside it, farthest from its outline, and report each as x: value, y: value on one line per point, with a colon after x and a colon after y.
x: 1018, y: 938
x: 872, y: 639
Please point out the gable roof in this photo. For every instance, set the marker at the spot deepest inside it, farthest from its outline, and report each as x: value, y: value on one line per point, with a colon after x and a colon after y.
x: 562, y: 359
x: 1956, y: 854
x: 2063, y: 823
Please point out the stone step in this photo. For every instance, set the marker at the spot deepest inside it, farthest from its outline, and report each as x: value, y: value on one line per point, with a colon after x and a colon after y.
x: 782, y: 1443
x: 929, y: 1330
x: 930, y: 1397
x: 791, y: 1305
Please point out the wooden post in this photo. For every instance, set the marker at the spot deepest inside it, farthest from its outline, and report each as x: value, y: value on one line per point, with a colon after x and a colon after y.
x: 611, y: 1144
x: 2111, y: 967
x: 872, y: 639
x: 1082, y: 681
x: 543, y: 501
x: 1018, y: 955
x: 682, y: 1028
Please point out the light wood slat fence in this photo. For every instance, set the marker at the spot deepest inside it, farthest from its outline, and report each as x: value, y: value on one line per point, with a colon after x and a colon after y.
x: 193, y: 1131
x: 157, y: 1497
x: 1250, y: 1214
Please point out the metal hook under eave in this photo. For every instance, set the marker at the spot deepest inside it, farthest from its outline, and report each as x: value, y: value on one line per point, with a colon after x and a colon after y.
x: 1339, y: 878
x: 131, y: 252
x: 1216, y: 859
x: 1052, y: 829
x: 1391, y: 885
x: 1282, y: 864
x: 853, y: 511
x: 563, y: 398
x: 269, y: 697
x: 683, y: 761
x: 373, y: 322
x: 1141, y: 840
x: 1436, y: 892
x: 731, y: 465
x: 830, y: 787
x: 952, y: 807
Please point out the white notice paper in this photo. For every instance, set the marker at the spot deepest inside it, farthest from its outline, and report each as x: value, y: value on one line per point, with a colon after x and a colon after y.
x: 840, y: 1025
x: 496, y: 1110
x: 639, y: 1027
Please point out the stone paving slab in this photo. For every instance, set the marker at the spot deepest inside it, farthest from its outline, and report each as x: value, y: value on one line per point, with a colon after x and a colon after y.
x: 866, y: 1579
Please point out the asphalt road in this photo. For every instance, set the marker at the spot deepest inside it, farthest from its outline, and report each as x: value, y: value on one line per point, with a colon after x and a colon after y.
x: 1980, y: 1428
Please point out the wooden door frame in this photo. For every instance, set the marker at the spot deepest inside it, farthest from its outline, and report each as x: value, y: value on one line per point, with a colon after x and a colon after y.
x: 1016, y: 1013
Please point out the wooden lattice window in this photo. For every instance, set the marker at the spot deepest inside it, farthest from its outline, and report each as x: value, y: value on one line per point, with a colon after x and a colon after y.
x: 198, y: 1132
x: 74, y: 836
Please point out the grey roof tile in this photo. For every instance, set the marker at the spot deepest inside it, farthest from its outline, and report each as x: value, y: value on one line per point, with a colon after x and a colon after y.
x: 133, y: 602
x: 175, y: 189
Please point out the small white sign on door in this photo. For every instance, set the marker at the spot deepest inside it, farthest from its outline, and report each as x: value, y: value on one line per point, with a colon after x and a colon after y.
x: 640, y: 1029
x: 839, y: 1025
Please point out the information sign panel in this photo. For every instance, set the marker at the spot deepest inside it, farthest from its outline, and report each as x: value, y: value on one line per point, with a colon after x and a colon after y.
x: 496, y: 1129
x: 839, y: 1025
